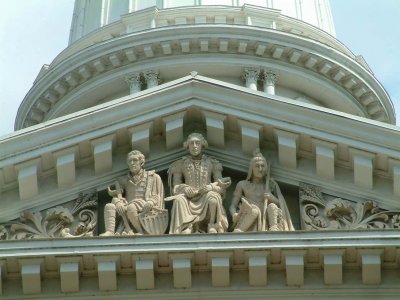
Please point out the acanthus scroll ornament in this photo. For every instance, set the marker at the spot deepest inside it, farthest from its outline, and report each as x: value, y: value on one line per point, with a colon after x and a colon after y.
x: 76, y: 220
x: 318, y: 213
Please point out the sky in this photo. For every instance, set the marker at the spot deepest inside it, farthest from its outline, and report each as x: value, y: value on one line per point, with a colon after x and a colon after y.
x: 33, y: 32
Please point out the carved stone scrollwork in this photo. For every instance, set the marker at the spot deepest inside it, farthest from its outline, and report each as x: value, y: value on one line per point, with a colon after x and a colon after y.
x: 318, y: 213
x: 76, y: 219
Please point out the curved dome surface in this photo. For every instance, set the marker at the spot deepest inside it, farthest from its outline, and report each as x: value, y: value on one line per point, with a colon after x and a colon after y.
x: 219, y: 42
x: 90, y: 15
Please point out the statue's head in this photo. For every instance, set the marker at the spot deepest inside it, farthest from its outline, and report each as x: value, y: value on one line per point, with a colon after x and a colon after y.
x: 135, y: 160
x: 258, y: 166
x: 195, y: 143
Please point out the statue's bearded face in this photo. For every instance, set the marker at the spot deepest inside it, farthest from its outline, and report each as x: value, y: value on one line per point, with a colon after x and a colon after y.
x: 134, y: 164
x: 259, y: 169
x: 195, y: 146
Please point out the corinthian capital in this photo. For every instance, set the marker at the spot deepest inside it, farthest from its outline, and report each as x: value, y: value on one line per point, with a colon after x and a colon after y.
x: 134, y: 82
x: 270, y: 78
x: 152, y: 78
x: 251, y: 76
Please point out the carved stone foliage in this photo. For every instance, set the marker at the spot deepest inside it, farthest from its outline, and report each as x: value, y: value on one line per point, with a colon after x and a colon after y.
x: 77, y: 218
x: 319, y: 212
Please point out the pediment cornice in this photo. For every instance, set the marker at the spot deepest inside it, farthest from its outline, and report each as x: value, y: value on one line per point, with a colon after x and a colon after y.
x: 273, y: 117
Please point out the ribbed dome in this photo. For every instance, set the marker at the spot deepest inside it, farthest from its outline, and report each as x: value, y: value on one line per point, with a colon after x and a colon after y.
x: 89, y: 15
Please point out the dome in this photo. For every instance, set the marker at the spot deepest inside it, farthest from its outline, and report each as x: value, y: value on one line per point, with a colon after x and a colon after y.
x: 171, y: 38
x: 91, y: 15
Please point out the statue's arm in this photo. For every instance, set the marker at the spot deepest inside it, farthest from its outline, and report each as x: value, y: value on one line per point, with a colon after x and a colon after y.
x: 237, y: 194
x: 220, y: 183
x: 157, y: 192
x: 176, y: 179
x: 269, y: 196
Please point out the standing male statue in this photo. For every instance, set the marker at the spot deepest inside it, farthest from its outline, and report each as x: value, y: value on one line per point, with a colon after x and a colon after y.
x: 197, y: 186
x: 262, y: 206
x: 144, y: 193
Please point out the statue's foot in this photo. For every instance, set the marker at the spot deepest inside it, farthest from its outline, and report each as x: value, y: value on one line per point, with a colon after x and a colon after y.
x: 130, y: 232
x: 274, y: 228
x: 107, y: 233
x: 237, y: 230
x: 212, y: 228
x: 188, y: 230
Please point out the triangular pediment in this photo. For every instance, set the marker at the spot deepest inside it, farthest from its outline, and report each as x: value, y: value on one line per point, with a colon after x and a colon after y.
x: 339, y: 153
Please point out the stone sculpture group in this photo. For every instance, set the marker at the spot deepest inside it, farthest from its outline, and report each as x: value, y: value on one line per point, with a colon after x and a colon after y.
x: 197, y: 192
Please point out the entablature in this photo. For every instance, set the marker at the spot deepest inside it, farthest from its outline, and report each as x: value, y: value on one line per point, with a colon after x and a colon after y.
x: 330, y: 261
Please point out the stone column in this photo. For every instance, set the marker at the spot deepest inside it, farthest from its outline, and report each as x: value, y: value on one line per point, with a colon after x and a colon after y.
x: 152, y: 78
x: 134, y: 82
x: 251, y: 76
x: 270, y: 79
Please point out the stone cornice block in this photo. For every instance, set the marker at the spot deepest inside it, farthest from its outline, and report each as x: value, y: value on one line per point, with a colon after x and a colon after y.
x: 371, y: 263
x: 185, y: 46
x: 28, y: 178
x: 332, y: 263
x: 3, y: 272
x: 223, y: 45
x: 31, y: 275
x: 140, y: 137
x: 130, y: 55
x: 363, y: 165
x: 250, y: 133
x: 215, y: 128
x: 287, y: 148
x: 102, y: 153
x: 65, y: 165
x: 145, y: 274
x: 333, y: 269
x: 70, y: 268
x: 394, y: 168
x: 220, y: 268
x: 69, y: 277
x: 182, y: 270
x: 107, y: 274
x: 294, y: 263
x: 174, y: 130
x: 257, y: 264
x: 325, y: 158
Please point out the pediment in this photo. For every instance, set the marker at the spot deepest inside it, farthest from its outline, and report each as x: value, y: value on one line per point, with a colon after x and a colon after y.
x: 341, y: 154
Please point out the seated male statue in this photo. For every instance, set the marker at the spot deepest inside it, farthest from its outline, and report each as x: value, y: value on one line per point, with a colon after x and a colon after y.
x: 197, y: 186
x: 258, y: 204
x: 144, y: 193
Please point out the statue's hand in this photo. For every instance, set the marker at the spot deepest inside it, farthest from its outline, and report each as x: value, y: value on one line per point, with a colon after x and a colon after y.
x: 120, y: 207
x: 147, y: 206
x: 268, y: 195
x: 112, y: 193
x: 189, y: 192
x: 205, y: 189
x: 232, y: 210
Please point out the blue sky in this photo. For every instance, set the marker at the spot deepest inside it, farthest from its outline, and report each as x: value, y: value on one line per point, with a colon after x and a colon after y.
x: 33, y: 32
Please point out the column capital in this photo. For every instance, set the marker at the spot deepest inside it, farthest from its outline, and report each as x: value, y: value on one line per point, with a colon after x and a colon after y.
x: 270, y: 77
x: 152, y: 78
x: 251, y: 73
x: 251, y: 76
x: 134, y: 81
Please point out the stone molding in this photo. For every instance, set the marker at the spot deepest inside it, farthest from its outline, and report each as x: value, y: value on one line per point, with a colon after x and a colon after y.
x: 278, y: 114
x: 360, y: 86
x: 334, y: 253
